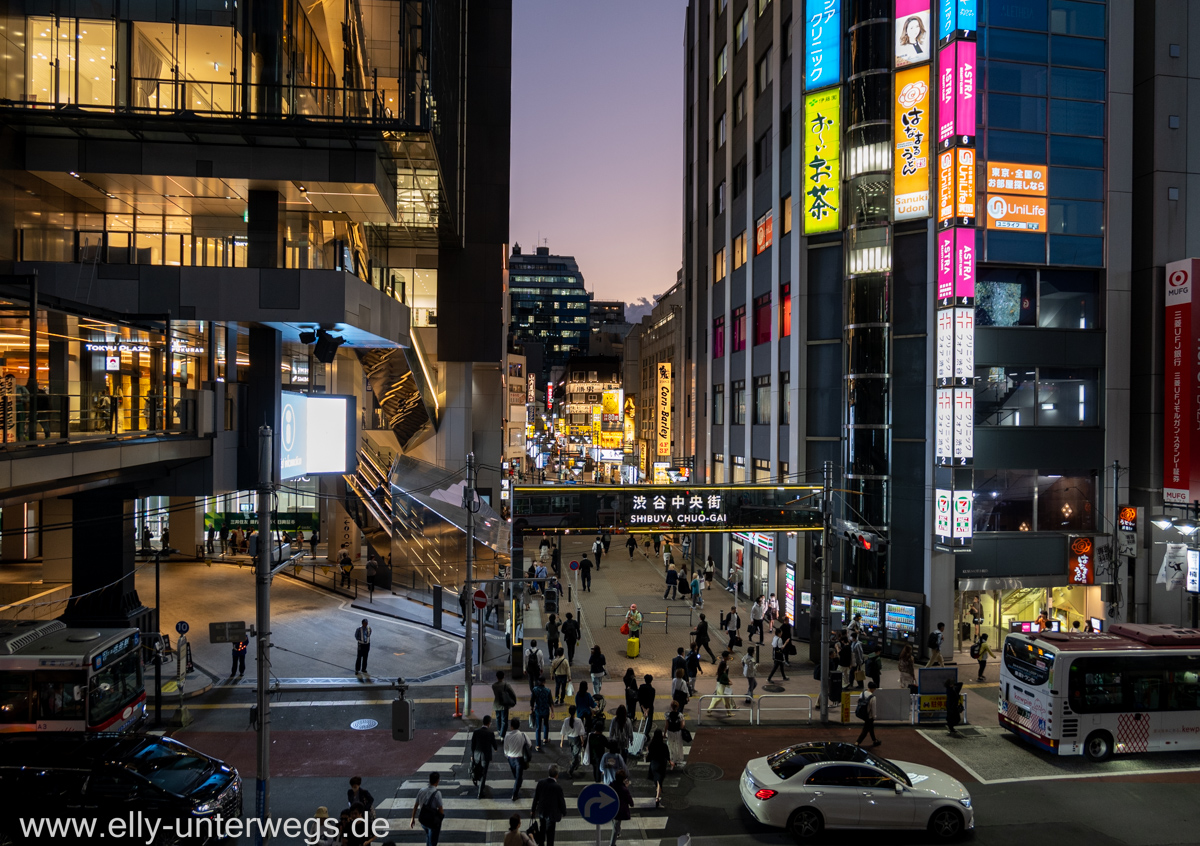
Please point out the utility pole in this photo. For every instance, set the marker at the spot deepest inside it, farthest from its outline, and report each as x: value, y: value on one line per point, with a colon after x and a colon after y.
x: 262, y: 620
x: 1116, y: 539
x: 469, y: 606
x: 823, y: 596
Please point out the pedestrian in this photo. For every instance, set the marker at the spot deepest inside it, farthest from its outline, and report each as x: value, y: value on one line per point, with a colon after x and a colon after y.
x: 750, y: 671
x: 549, y: 805
x: 560, y: 669
x: 596, y: 666
x: 976, y: 612
x: 855, y: 627
x: 631, y: 545
x: 585, y: 703
x: 724, y: 691
x: 620, y: 784
x: 517, y: 751
x: 757, y: 613
x: 505, y: 698
x: 544, y: 549
x: 239, y: 656
x: 675, y: 726
x: 701, y: 638
x: 785, y: 632
x: 866, y: 711
x: 372, y: 572
x: 540, y: 573
x: 541, y: 711
x: 645, y: 699
x: 845, y: 659
x: 223, y: 535
x: 462, y: 606
x: 362, y: 637
x: 692, y: 667
x: 605, y: 540
x: 657, y: 538
x: 732, y: 625
x: 678, y: 662
x: 658, y: 759
x: 633, y: 622
x: 620, y: 731
x: 859, y: 658
x: 515, y: 836
x: 771, y: 612
x: 614, y: 762
x: 710, y: 570
x: 672, y: 582
x: 631, y: 688
x: 777, y: 656
x: 483, y: 744
x: 668, y: 557
x: 570, y: 636
x: 429, y: 811
x: 597, y: 745
x: 935, y: 646
x: 210, y: 540
x: 533, y: 664
x: 697, y: 594
x: 324, y: 835
x: 572, y: 736
x: 598, y: 551
x: 252, y: 549
x: 556, y: 560
x: 874, y: 665
x: 982, y: 653
x: 312, y: 542
x: 585, y: 573
x: 345, y: 565
x: 907, y: 666
x: 552, y: 630
x: 953, y: 706
x: 358, y: 793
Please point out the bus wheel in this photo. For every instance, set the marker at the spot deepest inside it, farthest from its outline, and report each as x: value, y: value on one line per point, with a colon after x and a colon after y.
x: 1098, y: 746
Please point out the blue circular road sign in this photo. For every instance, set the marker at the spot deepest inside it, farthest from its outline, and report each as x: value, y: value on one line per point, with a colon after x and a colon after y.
x: 182, y: 627
x: 574, y: 565
x: 598, y: 804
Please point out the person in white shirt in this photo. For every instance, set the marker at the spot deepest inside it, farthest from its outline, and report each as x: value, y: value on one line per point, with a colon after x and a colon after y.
x: 573, y: 734
x: 757, y: 612
x: 516, y: 750
x: 750, y: 671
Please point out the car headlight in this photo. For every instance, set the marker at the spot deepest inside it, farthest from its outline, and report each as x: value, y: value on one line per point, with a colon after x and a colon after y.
x: 966, y: 803
x: 213, y: 805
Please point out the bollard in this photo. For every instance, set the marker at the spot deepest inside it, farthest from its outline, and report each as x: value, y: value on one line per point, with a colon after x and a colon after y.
x: 457, y: 707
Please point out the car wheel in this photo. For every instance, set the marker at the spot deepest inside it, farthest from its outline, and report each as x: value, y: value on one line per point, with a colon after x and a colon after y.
x: 1098, y: 746
x: 946, y: 824
x: 805, y: 824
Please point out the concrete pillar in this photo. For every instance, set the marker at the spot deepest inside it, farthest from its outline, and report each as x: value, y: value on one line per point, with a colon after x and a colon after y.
x: 12, y: 545
x: 344, y: 531
x: 264, y: 231
x: 454, y: 434
x: 102, y: 564
x: 57, y: 539
x: 187, y: 524
x: 262, y: 402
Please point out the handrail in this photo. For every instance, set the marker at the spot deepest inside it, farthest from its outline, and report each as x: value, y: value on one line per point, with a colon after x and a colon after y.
x: 808, y: 701
x: 679, y: 610
x: 731, y: 697
x: 621, y: 608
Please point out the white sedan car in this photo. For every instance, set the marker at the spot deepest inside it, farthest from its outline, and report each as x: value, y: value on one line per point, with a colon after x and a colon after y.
x: 813, y: 786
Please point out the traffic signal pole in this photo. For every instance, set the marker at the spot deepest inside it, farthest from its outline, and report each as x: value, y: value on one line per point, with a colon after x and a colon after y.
x: 469, y: 606
x: 825, y: 594
x: 262, y: 620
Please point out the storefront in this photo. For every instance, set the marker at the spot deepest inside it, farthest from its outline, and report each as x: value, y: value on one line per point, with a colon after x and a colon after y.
x: 1000, y: 604
x: 752, y: 553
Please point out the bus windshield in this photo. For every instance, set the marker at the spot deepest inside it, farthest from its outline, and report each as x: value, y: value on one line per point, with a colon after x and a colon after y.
x: 114, y: 687
x: 1027, y: 661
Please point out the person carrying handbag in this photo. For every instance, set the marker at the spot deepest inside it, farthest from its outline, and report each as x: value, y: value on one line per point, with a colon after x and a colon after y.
x: 859, y: 658
x: 429, y: 811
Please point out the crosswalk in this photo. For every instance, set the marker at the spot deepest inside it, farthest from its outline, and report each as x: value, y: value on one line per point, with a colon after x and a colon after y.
x: 471, y: 821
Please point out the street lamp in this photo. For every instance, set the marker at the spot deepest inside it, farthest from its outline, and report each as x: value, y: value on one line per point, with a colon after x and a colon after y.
x: 158, y: 638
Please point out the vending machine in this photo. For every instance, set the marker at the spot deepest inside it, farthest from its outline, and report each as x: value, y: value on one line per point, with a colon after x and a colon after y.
x: 901, y: 623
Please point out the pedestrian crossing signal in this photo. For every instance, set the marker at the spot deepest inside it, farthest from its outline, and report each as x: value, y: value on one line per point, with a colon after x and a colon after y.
x: 403, y: 724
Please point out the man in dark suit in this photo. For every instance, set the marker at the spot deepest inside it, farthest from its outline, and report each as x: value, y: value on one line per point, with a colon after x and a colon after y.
x: 483, y: 743
x: 549, y: 804
x: 679, y: 662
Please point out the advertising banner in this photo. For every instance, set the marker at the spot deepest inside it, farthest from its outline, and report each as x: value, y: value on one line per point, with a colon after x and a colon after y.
x: 822, y: 43
x: 1019, y: 214
x: 946, y: 188
x: 663, y: 413
x: 822, y: 161
x: 955, y: 16
x: 964, y: 426
x: 945, y: 344
x: 1181, y: 393
x: 957, y: 88
x: 531, y: 389
x: 962, y: 516
x: 945, y: 264
x: 913, y: 145
x: 964, y: 186
x: 964, y: 263
x: 964, y: 345
x: 549, y: 396
x: 762, y: 233
x: 1024, y: 180
x: 945, y: 83
x: 941, y: 513
x: 914, y: 41
x: 944, y: 426
x: 1081, y: 566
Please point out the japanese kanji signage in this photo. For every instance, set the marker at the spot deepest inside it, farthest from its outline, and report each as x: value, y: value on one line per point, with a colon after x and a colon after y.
x: 763, y: 233
x: 1022, y: 179
x: 912, y: 143
x: 957, y: 86
x: 1081, y: 566
x: 1181, y: 391
x: 822, y: 161
x: 941, y: 512
x: 822, y: 43
x: 663, y: 414
x: 955, y: 16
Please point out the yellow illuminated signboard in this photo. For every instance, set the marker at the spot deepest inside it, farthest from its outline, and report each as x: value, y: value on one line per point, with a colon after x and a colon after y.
x: 663, y: 416
x: 822, y: 161
x: 913, y: 143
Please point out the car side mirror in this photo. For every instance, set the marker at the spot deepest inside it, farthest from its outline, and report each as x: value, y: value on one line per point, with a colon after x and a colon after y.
x: 899, y: 788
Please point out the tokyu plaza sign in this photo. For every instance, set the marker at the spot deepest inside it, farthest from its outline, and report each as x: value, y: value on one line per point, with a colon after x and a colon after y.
x: 689, y: 508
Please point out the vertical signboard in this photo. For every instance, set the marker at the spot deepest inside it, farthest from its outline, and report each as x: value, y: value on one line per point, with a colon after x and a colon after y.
x: 964, y: 426
x: 964, y: 264
x: 941, y: 513
x: 964, y: 186
x: 531, y: 389
x: 945, y: 344
x: 944, y: 426
x: 913, y: 144
x: 964, y: 344
x: 822, y: 43
x: 945, y: 264
x: 663, y: 409
x: 957, y: 80
x: 946, y: 188
x: 822, y: 161
x: 549, y: 396
x: 1181, y: 394
x: 962, y: 517
x: 1081, y: 563
x: 763, y: 233
x: 955, y: 16
x: 914, y: 40
x: 945, y: 84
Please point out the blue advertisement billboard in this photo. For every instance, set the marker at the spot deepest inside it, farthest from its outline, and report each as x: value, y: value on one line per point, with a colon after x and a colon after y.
x: 823, y: 44
x: 955, y: 15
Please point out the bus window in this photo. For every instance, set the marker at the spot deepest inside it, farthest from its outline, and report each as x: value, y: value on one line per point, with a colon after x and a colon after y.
x: 1028, y: 662
x: 59, y: 695
x: 114, y: 687
x: 14, y: 698
x: 1184, y: 690
x: 1095, y: 685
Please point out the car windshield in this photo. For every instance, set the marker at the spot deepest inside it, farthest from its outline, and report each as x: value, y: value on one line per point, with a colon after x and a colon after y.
x: 787, y: 762
x: 175, y: 769
x: 887, y: 766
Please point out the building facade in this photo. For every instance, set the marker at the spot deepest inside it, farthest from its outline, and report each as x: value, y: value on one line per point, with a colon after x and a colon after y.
x: 549, y: 306
x: 907, y: 248
x: 659, y: 349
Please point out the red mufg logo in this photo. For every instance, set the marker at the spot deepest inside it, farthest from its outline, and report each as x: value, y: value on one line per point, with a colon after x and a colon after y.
x: 1177, y: 278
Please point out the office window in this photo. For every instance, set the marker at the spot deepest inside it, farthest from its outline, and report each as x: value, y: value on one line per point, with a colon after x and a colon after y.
x: 763, y: 74
x: 762, y: 152
x: 1036, y: 396
x: 787, y: 40
x: 762, y: 400
x: 785, y: 398
x: 785, y: 128
x: 718, y: 405
x: 739, y: 403
x: 722, y: 64
x: 719, y: 336
x: 721, y: 6
x: 719, y: 131
x: 785, y: 310
x: 786, y: 207
x: 739, y: 106
x: 719, y: 265
x: 719, y: 199
x: 739, y: 329
x: 762, y: 319
x: 739, y: 177
x: 762, y: 6
x: 740, y: 30
x: 784, y: 471
x: 739, y: 250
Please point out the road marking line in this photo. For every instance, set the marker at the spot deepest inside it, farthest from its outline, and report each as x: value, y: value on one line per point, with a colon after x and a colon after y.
x: 953, y: 757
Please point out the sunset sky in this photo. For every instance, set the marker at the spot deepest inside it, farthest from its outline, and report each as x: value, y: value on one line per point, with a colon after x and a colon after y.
x: 597, y: 138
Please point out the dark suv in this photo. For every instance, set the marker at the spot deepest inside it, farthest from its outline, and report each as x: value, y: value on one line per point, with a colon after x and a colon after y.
x: 153, y: 782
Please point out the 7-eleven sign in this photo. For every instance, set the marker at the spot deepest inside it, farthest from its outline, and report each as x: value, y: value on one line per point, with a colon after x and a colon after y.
x: 941, y: 513
x: 962, y: 514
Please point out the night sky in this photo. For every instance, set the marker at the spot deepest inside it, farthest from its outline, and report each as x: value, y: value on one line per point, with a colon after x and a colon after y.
x: 597, y: 138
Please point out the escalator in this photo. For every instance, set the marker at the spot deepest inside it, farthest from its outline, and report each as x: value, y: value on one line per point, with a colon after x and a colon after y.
x: 402, y: 386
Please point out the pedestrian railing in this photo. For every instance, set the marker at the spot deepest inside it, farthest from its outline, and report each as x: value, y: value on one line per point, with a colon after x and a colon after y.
x: 730, y: 699
x: 804, y: 702
x: 655, y: 618
x: 678, y: 611
x: 616, y: 612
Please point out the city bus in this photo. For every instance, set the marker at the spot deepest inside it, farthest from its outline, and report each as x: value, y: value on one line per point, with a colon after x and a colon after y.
x: 54, y: 678
x: 1134, y: 688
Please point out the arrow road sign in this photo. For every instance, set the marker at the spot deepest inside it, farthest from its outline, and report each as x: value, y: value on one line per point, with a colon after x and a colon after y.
x: 598, y: 804
x: 480, y: 599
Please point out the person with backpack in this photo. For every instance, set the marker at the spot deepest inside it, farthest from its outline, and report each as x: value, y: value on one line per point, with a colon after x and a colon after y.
x: 560, y: 668
x: 605, y: 539
x: 505, y: 698
x: 980, y: 651
x: 429, y: 811
x: 631, y: 545
x: 874, y: 665
x: 859, y: 657
x: 845, y: 660
x: 935, y: 646
x: 533, y: 664
x: 598, y: 551
x: 777, y: 657
x: 556, y: 561
x: 866, y: 711
x: 570, y: 635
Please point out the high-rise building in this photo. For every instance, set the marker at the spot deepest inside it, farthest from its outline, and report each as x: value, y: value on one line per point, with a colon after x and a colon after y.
x: 607, y: 328
x: 657, y: 344
x: 907, y: 252
x: 208, y: 204
x: 548, y: 305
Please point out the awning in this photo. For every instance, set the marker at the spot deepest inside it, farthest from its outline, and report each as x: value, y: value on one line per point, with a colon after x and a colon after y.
x: 1013, y: 582
x: 441, y: 491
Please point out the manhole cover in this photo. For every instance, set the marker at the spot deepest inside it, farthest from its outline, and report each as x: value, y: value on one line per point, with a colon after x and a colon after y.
x: 969, y: 731
x: 704, y: 772
x: 773, y: 688
x: 364, y: 725
x: 675, y: 803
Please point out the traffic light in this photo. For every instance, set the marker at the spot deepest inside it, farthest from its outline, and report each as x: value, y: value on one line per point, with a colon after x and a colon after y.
x: 403, y: 724
x: 867, y: 541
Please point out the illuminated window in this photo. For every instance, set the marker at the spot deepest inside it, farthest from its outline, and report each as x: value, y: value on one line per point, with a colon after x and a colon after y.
x: 739, y: 250
x: 719, y: 337
x: 762, y: 400
x: 722, y: 64
x: 739, y: 329
x: 719, y: 131
x: 70, y: 60
x: 785, y: 310
x: 739, y: 30
x: 762, y: 320
x: 739, y: 403
x: 719, y: 265
x: 739, y: 106
x: 786, y: 204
